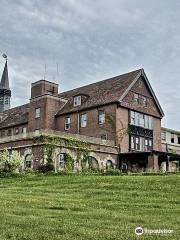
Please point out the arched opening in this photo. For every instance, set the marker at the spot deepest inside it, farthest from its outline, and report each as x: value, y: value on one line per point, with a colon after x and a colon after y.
x: 28, y: 161
x: 93, y: 163
x: 65, y: 161
x: 109, y: 164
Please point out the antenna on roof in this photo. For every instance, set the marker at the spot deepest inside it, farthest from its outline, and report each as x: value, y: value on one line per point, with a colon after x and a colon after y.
x: 57, y: 71
x: 57, y: 68
x: 45, y: 71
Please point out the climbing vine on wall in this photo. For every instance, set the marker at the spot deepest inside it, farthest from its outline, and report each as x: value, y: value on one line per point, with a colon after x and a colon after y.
x: 51, y: 141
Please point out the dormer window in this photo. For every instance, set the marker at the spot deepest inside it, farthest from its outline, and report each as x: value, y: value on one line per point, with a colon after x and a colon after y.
x: 77, y: 101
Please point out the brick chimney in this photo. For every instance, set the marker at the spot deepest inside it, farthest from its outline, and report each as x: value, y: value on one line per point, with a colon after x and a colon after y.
x: 43, y: 87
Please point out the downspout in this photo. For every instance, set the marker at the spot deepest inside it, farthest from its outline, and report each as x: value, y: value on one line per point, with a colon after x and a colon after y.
x: 78, y: 121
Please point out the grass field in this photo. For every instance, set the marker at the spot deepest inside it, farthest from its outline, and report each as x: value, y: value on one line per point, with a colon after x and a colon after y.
x: 88, y: 207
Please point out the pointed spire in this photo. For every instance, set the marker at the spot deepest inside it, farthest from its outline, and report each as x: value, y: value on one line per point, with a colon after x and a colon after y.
x: 4, y: 84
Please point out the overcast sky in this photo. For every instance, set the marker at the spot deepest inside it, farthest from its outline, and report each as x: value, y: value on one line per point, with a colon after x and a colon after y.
x: 90, y: 41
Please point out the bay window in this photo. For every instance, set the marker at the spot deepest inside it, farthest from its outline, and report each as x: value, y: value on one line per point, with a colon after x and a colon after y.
x: 141, y: 120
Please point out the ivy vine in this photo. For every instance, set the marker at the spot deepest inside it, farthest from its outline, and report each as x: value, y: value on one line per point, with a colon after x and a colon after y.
x: 50, y: 141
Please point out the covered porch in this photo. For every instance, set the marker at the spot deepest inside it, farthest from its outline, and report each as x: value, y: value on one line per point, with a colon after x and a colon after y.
x: 150, y: 160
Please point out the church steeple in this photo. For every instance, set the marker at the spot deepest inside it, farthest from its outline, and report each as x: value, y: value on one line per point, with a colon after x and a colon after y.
x: 5, y: 92
x: 5, y: 78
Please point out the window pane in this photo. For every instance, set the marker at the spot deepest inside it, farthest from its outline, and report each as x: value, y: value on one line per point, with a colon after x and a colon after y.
x: 136, y: 119
x: 141, y: 144
x: 84, y: 120
x: 62, y: 160
x: 101, y: 116
x: 146, y: 121
x: 77, y: 100
x: 141, y: 120
x: 38, y: 112
x: 163, y: 136
x: 132, y: 117
x: 132, y: 142
x: 150, y: 123
x: 67, y: 123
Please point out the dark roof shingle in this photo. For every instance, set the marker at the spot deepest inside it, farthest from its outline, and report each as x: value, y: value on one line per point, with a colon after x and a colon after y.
x: 14, y: 116
x: 100, y: 93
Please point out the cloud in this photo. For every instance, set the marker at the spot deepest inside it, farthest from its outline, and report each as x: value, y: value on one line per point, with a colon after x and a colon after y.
x: 92, y: 40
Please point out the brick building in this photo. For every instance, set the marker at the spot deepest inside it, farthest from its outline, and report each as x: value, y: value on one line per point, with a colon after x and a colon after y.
x: 170, y: 140
x: 119, y: 117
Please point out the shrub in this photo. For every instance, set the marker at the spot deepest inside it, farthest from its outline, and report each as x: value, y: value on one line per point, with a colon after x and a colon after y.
x: 10, y: 162
x: 46, y: 168
x: 113, y: 172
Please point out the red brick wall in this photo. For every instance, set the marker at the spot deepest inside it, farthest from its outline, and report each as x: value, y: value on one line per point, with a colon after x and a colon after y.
x: 93, y: 128
x: 43, y: 87
x: 122, y: 118
x: 157, y: 134
x: 49, y: 106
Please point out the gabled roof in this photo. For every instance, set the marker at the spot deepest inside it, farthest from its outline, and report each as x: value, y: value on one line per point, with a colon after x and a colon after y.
x: 108, y: 91
x: 4, y: 84
x: 100, y: 93
x: 14, y: 116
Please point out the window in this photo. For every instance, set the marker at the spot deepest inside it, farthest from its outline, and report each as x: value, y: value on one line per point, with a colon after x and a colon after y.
x: 28, y: 161
x: 150, y: 123
x: 104, y: 137
x: 38, y: 113
x: 101, y: 116
x: 9, y: 132
x: 37, y: 131
x: 6, y: 100
x: 24, y: 130
x: 141, y: 120
x: 93, y: 163
x: 132, y: 114
x: 172, y: 137
x: 146, y: 123
x: 136, y: 118
x: 109, y: 164
x: 77, y: 101
x: 62, y: 160
x: 178, y: 139
x: 163, y: 136
x: 67, y: 123
x: 84, y: 120
x: 137, y: 143
x: 136, y: 98
x: 140, y: 143
x: 132, y: 143
x: 150, y: 143
x: 16, y: 130
x: 144, y: 101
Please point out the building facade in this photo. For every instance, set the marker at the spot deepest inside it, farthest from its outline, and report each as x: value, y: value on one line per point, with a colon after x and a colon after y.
x: 170, y: 140
x: 119, y: 117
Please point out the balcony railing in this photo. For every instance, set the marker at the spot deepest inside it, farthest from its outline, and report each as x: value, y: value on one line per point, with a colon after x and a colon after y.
x: 31, y: 135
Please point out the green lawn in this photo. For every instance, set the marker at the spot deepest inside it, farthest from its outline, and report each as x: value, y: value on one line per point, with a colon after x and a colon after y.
x: 88, y: 207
